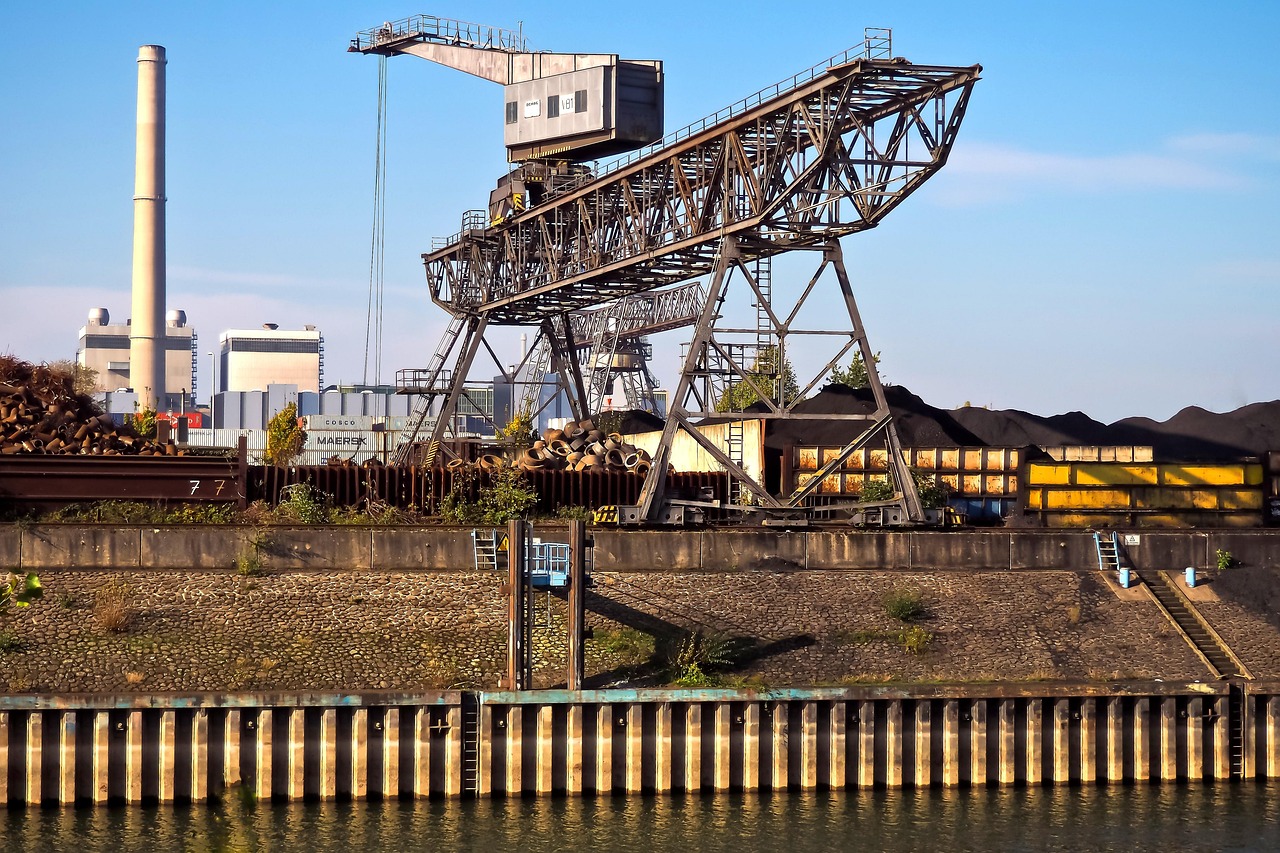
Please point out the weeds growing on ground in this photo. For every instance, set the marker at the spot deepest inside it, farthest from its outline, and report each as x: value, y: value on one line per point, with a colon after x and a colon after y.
x: 913, y: 640
x: 113, y: 608
x: 905, y: 605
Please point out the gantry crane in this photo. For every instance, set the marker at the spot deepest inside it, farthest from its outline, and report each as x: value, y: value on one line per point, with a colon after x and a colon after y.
x: 795, y: 167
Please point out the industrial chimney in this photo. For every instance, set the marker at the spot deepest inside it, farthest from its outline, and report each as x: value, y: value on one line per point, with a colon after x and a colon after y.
x: 146, y: 332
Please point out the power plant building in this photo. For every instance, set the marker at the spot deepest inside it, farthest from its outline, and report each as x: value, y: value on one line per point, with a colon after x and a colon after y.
x: 252, y: 359
x: 104, y: 348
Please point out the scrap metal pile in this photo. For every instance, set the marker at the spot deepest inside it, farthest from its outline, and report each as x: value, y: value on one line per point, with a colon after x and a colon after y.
x: 42, y: 413
x: 578, y: 446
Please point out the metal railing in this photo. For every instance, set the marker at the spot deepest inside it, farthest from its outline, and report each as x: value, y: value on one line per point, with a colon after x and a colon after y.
x: 472, y: 220
x: 444, y: 30
x: 872, y: 47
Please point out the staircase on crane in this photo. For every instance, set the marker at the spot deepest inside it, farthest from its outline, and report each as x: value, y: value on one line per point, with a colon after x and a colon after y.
x: 426, y: 384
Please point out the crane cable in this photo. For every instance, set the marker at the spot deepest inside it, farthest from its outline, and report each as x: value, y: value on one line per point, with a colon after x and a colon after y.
x: 373, y: 317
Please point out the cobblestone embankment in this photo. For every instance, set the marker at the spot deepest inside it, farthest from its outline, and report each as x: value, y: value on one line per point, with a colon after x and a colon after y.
x: 368, y: 630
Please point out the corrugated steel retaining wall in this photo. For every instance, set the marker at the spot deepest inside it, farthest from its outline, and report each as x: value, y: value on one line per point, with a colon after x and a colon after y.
x: 451, y: 744
x: 427, y: 487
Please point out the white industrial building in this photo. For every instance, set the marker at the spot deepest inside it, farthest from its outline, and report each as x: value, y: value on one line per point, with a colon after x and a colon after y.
x: 252, y: 359
x: 104, y: 348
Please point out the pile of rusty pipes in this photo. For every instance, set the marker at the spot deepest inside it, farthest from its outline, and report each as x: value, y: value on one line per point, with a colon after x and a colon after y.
x: 577, y: 447
x: 40, y: 413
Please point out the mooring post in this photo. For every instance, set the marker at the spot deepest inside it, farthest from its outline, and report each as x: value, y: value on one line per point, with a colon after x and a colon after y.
x: 515, y: 606
x: 577, y: 602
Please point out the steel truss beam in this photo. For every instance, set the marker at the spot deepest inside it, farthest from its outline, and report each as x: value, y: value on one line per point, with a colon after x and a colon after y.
x: 829, y: 157
x: 602, y: 333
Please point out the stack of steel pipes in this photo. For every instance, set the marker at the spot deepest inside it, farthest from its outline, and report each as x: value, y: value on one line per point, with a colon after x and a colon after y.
x: 577, y: 447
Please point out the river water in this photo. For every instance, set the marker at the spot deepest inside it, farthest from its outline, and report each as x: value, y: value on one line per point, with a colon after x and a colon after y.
x: 1169, y: 818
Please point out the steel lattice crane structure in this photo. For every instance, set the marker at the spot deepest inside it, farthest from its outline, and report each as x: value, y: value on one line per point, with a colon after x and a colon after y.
x: 795, y: 167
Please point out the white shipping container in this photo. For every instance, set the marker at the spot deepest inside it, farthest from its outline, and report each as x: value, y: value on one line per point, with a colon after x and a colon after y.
x: 336, y: 422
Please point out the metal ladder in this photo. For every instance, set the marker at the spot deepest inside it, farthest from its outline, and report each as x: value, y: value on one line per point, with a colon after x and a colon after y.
x: 470, y: 744
x: 422, y: 407
x: 1108, y: 551
x: 1236, y: 722
x: 484, y: 545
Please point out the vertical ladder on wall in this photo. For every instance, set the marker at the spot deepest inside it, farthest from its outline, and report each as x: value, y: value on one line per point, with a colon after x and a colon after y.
x: 484, y: 545
x: 470, y: 744
x: 734, y: 450
x: 1108, y: 546
x: 1236, y: 731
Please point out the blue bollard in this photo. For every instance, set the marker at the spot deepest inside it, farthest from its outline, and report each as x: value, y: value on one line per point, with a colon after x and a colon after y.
x: 1124, y: 578
x: 1191, y: 576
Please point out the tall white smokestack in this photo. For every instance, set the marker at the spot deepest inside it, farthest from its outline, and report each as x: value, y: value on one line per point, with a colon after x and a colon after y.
x: 146, y: 332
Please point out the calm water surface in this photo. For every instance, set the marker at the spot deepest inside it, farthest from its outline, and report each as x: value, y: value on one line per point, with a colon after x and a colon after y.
x: 1171, y: 818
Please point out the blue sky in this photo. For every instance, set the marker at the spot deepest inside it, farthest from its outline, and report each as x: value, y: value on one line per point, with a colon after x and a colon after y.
x: 1103, y: 239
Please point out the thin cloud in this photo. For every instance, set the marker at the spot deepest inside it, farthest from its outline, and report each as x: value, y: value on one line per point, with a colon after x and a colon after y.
x: 985, y: 172
x: 1247, y: 269
x: 249, y: 279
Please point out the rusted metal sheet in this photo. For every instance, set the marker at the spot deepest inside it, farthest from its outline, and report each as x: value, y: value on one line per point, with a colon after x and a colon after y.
x: 69, y: 479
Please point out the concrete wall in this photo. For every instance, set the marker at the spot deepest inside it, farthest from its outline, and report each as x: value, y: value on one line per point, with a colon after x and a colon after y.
x: 164, y: 748
x: 442, y: 549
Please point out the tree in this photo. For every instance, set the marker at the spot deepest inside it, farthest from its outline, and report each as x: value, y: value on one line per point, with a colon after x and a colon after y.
x: 144, y: 421
x: 855, y: 375
x: 766, y: 374
x: 285, y: 436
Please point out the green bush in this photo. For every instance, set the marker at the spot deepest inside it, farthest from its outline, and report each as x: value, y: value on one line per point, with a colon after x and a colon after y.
x: 1226, y: 559
x: 905, y: 605
x: 302, y: 503
x: 508, y: 496
x: 876, y: 490
x: 915, y: 640
x: 285, y: 436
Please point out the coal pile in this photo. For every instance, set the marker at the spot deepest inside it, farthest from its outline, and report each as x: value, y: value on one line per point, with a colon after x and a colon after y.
x: 918, y: 424
x: 1193, y: 434
x: 1015, y: 428
x: 42, y: 414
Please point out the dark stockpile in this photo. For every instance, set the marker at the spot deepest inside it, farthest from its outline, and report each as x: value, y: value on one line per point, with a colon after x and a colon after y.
x: 42, y: 413
x: 918, y: 423
x: 1192, y: 434
x: 1014, y: 428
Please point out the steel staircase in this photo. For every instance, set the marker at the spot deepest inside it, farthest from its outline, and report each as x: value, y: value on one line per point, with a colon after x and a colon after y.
x: 1215, y: 653
x: 1193, y: 626
x: 428, y: 383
